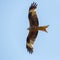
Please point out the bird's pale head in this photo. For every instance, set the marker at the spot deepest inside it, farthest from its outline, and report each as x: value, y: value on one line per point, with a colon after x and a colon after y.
x: 33, y: 7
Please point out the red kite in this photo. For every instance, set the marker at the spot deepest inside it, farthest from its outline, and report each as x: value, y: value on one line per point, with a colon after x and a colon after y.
x: 34, y: 27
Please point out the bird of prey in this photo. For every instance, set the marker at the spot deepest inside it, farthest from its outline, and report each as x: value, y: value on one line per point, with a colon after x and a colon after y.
x: 34, y: 27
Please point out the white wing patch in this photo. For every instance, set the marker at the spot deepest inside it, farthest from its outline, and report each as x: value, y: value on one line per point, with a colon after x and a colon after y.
x: 30, y: 44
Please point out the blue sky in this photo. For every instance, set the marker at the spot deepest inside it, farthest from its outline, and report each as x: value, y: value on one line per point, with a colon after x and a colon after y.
x: 13, y: 30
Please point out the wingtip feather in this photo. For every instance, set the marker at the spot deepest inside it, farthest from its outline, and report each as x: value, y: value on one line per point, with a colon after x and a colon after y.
x: 29, y: 49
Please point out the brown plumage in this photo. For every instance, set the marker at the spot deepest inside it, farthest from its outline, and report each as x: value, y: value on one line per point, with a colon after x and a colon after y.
x: 34, y: 27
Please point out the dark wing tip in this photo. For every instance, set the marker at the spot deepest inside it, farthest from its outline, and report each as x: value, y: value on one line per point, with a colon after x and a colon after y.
x: 30, y: 50
x: 33, y: 5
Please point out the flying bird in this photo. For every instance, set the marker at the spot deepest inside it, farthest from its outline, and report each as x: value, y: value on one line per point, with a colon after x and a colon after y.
x: 33, y: 28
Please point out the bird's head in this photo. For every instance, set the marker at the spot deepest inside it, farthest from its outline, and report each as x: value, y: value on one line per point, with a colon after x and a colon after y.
x: 33, y: 7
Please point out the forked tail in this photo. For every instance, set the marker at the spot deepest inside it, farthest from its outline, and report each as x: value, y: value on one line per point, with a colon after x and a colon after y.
x: 42, y: 28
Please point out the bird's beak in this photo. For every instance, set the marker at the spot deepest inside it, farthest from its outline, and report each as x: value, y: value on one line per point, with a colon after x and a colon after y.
x: 28, y: 28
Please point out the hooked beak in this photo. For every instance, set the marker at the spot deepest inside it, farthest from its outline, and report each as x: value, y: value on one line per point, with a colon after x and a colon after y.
x: 28, y: 28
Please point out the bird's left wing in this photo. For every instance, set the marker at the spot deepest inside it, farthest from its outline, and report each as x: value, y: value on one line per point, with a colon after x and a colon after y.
x: 30, y: 40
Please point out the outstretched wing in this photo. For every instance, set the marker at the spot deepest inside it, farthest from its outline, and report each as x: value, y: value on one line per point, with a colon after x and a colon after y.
x: 33, y: 20
x: 30, y: 40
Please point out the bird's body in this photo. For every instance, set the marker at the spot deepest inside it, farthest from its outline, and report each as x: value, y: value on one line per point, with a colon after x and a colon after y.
x: 34, y: 27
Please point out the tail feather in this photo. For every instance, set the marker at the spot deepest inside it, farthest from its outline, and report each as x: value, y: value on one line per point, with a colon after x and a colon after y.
x: 42, y: 28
